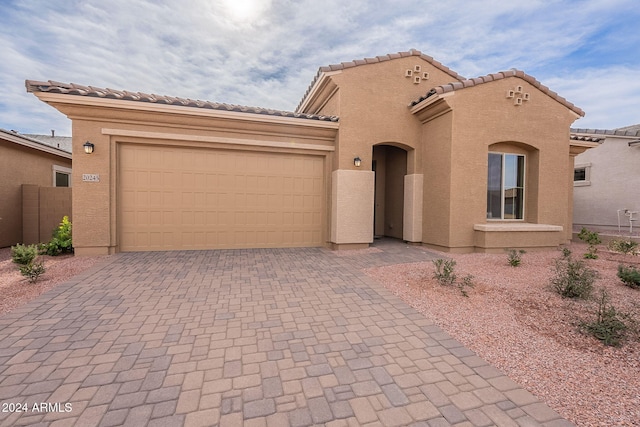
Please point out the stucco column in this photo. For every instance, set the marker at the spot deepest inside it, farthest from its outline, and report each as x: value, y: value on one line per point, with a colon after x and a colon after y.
x: 352, y: 206
x: 412, y: 216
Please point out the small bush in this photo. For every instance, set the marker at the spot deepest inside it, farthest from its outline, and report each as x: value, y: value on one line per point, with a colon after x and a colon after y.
x: 610, y: 326
x: 592, y: 238
x: 446, y: 276
x: 623, y: 246
x: 61, y: 241
x: 467, y: 282
x: 515, y: 256
x: 630, y: 276
x: 573, y: 279
x: 444, y: 273
x: 566, y: 252
x: 23, y: 255
x: 33, y: 270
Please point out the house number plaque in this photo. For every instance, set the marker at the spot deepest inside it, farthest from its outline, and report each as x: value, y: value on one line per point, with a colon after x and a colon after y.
x: 90, y: 177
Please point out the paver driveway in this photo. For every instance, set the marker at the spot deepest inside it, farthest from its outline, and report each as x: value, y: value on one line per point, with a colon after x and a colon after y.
x: 248, y: 337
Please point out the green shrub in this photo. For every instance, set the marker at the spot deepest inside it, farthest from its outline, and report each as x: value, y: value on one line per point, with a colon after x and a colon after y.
x: 467, y: 282
x: 610, y: 326
x: 33, y: 270
x: 444, y: 273
x: 592, y: 238
x: 573, y: 279
x: 24, y: 255
x: 446, y: 276
x: 515, y: 256
x: 61, y: 241
x: 623, y: 246
x: 630, y: 276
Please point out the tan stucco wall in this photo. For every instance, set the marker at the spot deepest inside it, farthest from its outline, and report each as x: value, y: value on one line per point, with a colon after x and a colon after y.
x: 437, y: 165
x: 21, y: 165
x: 483, y: 119
x: 352, y: 206
x: 96, y: 203
x: 412, y: 221
x: 373, y: 102
x: 614, y: 184
x: 446, y: 142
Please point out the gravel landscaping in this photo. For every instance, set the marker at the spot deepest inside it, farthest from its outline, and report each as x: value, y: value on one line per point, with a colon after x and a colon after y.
x: 514, y: 320
x: 16, y: 290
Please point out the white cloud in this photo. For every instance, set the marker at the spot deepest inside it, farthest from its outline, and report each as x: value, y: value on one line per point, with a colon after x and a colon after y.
x: 611, y: 94
x: 266, y: 52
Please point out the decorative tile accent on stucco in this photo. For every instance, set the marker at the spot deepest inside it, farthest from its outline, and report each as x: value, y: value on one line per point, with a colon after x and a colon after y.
x: 518, y: 95
x: 416, y: 74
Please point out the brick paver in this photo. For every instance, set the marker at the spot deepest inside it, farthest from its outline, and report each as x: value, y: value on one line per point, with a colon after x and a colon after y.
x: 271, y: 337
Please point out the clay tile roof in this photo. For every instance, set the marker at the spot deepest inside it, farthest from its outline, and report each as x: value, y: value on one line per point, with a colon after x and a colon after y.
x: 91, y: 91
x: 450, y: 87
x: 575, y: 137
x: 377, y: 59
x: 629, y: 131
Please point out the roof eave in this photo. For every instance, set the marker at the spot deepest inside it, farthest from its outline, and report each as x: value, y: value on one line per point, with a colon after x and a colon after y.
x: 90, y: 92
x: 54, y: 99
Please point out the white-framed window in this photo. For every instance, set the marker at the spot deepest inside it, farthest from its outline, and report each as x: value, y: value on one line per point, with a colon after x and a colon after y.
x: 505, y: 186
x: 582, y: 175
x: 61, y: 176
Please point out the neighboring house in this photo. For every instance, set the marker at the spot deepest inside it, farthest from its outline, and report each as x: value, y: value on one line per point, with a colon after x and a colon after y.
x: 606, y: 193
x: 61, y: 142
x: 24, y: 160
x: 398, y: 145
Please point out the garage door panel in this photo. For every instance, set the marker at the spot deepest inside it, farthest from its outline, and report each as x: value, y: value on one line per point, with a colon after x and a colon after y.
x: 188, y: 198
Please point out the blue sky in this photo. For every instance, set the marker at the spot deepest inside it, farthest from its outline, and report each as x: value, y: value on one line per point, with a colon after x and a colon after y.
x: 265, y: 53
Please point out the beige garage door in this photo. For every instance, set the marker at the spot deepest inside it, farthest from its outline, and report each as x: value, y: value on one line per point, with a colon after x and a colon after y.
x: 190, y: 198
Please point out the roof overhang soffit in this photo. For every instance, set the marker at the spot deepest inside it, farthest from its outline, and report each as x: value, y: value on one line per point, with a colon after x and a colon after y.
x: 432, y: 107
x: 578, y: 147
x: 320, y: 93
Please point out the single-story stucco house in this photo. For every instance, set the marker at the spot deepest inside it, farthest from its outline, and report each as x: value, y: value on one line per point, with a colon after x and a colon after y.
x: 29, y: 161
x: 607, y: 181
x: 397, y: 145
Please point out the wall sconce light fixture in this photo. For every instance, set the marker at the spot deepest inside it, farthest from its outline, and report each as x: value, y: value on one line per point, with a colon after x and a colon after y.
x: 357, y: 162
x: 88, y: 147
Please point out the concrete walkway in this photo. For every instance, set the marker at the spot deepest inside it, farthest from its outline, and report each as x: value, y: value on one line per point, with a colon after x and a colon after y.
x: 265, y: 337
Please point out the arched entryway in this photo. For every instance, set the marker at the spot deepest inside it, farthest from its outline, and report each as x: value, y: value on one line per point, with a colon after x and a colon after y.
x: 390, y: 167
